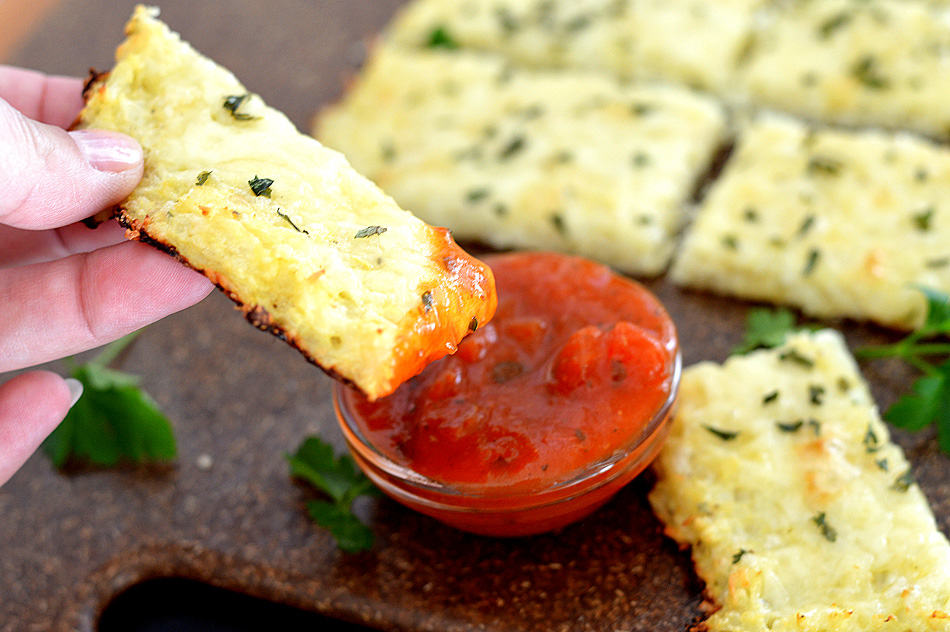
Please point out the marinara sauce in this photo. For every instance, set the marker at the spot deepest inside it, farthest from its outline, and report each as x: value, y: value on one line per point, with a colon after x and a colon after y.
x: 541, y: 414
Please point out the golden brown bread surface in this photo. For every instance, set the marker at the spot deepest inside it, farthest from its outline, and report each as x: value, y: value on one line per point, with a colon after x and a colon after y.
x: 309, y: 249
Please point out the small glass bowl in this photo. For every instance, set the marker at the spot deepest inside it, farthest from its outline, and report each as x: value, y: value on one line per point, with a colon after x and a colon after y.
x: 500, y: 512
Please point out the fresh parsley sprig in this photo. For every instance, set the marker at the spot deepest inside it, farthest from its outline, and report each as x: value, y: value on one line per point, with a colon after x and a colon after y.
x: 113, y: 421
x: 765, y: 328
x: 929, y: 400
x: 338, y: 478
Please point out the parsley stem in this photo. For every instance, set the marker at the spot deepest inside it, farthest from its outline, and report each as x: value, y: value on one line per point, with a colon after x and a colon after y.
x: 903, y: 350
x: 921, y: 365
x: 880, y: 351
x: 931, y: 349
x: 113, y: 349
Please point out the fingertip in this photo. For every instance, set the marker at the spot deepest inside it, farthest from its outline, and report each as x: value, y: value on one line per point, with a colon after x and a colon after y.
x: 31, y: 406
x: 63, y: 101
x: 131, y: 285
x: 173, y: 284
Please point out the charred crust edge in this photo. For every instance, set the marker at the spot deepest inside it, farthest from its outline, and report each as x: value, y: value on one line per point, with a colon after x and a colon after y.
x: 255, y: 314
x: 92, y: 80
x: 95, y: 221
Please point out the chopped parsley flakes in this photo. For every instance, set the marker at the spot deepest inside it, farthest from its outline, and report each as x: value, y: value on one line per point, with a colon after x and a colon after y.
x: 260, y: 186
x: 233, y: 103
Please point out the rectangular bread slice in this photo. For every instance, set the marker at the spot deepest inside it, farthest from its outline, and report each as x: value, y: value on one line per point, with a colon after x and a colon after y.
x: 309, y: 249
x: 837, y: 223
x: 533, y: 159
x: 881, y: 63
x: 686, y: 41
x: 801, y: 514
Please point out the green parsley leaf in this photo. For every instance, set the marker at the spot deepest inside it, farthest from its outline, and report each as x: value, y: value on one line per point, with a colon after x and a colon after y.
x: 871, y: 442
x: 260, y: 186
x: 291, y: 222
x: 867, y: 72
x: 765, y: 328
x: 113, y: 421
x: 938, y: 312
x: 369, y: 231
x: 725, y: 435
x: 823, y: 165
x: 923, y: 220
x: 233, y: 103
x: 440, y: 38
x: 641, y: 159
x: 830, y: 26
x: 796, y: 357
x: 829, y: 532
x: 512, y: 147
x: 904, y: 481
x: 928, y: 403
x: 350, y: 534
x: 792, y: 426
x: 338, y: 478
x: 929, y: 400
x: 477, y: 195
x: 813, y: 255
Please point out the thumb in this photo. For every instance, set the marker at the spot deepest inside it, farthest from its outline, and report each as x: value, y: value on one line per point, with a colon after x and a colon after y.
x: 51, y: 178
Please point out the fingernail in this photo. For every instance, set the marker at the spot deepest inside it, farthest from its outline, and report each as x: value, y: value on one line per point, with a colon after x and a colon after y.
x: 108, y: 151
x: 75, y: 390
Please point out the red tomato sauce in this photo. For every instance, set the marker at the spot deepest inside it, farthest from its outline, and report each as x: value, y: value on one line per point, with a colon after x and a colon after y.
x: 574, y: 366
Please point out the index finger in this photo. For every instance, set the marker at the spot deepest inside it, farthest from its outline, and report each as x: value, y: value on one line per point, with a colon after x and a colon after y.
x: 50, y: 99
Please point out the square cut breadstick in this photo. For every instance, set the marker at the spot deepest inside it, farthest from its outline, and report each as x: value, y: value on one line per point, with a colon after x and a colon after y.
x: 837, y: 223
x: 309, y: 249
x: 687, y: 41
x: 514, y: 158
x: 801, y: 514
x: 880, y: 63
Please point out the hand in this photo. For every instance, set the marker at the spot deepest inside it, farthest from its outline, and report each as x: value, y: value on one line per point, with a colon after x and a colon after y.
x: 63, y: 287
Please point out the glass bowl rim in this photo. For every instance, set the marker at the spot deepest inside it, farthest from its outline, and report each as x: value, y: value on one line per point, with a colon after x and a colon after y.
x: 367, y: 452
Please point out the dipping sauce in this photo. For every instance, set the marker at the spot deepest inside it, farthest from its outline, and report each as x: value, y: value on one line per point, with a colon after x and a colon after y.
x: 565, y: 391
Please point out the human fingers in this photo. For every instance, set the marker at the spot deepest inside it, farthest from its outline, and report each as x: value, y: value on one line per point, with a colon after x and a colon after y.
x: 31, y: 406
x: 52, y: 178
x: 22, y: 247
x: 49, y: 99
x: 63, y: 307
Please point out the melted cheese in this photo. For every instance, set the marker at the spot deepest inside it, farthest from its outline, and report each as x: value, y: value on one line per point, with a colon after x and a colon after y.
x: 514, y: 158
x: 837, y: 223
x: 301, y: 255
x: 817, y: 529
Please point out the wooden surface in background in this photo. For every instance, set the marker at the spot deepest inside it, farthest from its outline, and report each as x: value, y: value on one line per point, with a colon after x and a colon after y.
x: 244, y: 399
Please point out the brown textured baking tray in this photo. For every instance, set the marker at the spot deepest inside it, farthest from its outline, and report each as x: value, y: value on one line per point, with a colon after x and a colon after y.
x: 68, y: 543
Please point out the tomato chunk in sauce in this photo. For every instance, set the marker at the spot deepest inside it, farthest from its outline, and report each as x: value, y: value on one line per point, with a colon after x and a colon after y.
x: 574, y: 366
